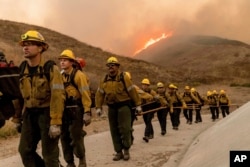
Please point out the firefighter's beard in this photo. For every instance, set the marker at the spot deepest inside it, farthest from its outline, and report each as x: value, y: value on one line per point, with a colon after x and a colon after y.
x: 112, y: 71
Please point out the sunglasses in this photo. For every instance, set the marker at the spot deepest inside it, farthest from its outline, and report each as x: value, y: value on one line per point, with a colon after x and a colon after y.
x: 110, y: 65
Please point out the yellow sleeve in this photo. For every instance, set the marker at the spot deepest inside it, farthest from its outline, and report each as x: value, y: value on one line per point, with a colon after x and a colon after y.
x: 81, y: 81
x: 181, y: 99
x: 99, y: 95
x: 132, y: 90
x: 57, y: 96
x: 195, y: 98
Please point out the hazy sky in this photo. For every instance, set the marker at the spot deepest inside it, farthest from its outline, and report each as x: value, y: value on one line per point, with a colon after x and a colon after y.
x: 124, y: 26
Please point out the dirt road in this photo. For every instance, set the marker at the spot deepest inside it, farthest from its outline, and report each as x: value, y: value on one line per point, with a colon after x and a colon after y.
x: 159, y: 151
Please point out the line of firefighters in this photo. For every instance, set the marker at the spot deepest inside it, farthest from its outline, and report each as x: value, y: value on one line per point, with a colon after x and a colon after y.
x: 57, y: 105
x: 163, y: 101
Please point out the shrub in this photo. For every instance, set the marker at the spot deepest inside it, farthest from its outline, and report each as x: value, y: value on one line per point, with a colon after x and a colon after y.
x: 7, y: 130
x: 246, y: 85
x: 234, y: 85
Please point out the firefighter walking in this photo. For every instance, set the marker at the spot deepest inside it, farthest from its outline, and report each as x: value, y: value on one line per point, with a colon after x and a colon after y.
x: 198, y: 117
x: 224, y: 103
x: 43, y: 102
x: 213, y: 104
x: 191, y: 102
x: 118, y: 95
x: 178, y: 103
x: 162, y: 113
x: 77, y: 110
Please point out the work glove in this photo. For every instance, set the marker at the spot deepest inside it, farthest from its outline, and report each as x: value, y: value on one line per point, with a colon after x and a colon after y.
x: 138, y: 110
x: 184, y: 106
x: 54, y: 131
x: 171, y: 109
x: 99, y: 112
x: 157, y: 98
x: 87, y: 118
x: 18, y: 127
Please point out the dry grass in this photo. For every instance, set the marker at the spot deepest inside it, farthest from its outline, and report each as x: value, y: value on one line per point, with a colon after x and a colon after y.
x: 8, y: 130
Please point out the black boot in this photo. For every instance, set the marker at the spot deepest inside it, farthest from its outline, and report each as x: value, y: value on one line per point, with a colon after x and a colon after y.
x: 118, y: 156
x: 126, y: 154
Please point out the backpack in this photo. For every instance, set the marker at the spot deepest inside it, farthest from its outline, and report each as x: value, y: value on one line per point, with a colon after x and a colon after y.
x: 9, y: 83
x: 9, y: 88
x: 48, y: 66
x: 121, y: 78
x: 223, y: 100
x: 72, y: 82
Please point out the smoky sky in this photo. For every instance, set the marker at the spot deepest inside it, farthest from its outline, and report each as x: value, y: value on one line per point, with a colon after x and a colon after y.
x: 124, y: 26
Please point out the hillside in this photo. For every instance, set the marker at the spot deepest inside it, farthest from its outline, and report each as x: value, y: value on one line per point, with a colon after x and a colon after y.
x: 95, y: 57
x: 204, y: 59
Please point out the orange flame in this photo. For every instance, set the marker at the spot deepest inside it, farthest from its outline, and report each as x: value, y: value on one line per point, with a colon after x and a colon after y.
x: 153, y: 41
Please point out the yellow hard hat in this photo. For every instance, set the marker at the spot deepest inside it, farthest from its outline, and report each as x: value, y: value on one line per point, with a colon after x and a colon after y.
x: 172, y: 86
x: 67, y: 54
x: 209, y: 93
x: 33, y: 35
x: 222, y: 92
x: 214, y: 92
x: 113, y: 60
x: 160, y: 85
x: 128, y: 74
x: 193, y: 89
x: 187, y: 87
x: 145, y: 81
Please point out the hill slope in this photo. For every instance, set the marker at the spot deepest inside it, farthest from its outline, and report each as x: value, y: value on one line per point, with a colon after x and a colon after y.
x: 95, y: 57
x: 204, y: 59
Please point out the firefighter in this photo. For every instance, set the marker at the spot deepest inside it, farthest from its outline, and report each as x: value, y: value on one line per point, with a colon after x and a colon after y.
x: 191, y: 102
x: 43, y: 102
x: 76, y: 111
x: 117, y: 91
x: 162, y: 113
x: 224, y: 103
x: 158, y: 101
x: 198, y: 117
x: 216, y: 96
x: 144, y: 97
x: 178, y: 103
x: 213, y: 104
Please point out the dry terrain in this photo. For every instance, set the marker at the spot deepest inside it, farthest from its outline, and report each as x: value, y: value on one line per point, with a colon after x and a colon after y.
x: 202, y: 60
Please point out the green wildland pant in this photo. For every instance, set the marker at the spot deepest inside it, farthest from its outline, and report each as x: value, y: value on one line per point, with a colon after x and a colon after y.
x: 36, y: 123
x: 72, y: 137
x: 120, y: 126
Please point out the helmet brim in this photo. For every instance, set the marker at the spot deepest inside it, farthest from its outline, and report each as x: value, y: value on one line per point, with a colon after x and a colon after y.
x: 43, y: 44
x: 65, y: 57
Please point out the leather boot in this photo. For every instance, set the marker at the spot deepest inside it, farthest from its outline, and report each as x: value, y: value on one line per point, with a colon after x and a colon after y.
x: 146, y: 139
x: 118, y: 156
x: 82, y: 162
x: 126, y: 154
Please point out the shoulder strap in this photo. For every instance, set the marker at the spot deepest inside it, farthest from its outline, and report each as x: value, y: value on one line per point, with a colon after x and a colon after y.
x: 22, y: 68
x: 48, y: 66
x: 72, y: 77
x: 105, y: 78
x: 123, y: 82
